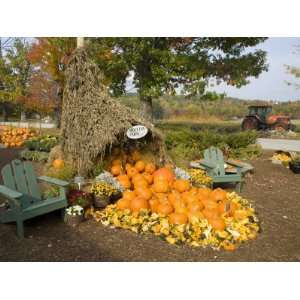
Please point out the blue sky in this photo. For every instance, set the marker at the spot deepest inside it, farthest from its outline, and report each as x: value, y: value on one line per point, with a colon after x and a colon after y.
x: 271, y: 85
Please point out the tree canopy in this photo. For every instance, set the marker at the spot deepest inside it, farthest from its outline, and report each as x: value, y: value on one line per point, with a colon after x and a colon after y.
x: 164, y: 65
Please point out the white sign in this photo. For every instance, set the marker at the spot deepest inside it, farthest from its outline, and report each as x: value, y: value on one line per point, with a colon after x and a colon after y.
x: 137, y: 132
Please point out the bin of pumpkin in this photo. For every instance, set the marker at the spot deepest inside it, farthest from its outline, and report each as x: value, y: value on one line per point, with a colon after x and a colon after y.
x: 154, y: 200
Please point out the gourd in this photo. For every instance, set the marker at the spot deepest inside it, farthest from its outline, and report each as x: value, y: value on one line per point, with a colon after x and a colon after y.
x: 58, y: 163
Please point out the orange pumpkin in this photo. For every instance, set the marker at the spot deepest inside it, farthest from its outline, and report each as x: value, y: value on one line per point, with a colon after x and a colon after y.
x: 173, y: 197
x: 161, y: 186
x: 217, y: 223
x: 150, y: 168
x: 124, y: 181
x: 180, y: 207
x: 127, y: 167
x: 123, y: 204
x: 137, y: 177
x: 154, y: 204
x: 164, y: 173
x: 219, y: 195
x: 129, y: 195
x: 116, y: 170
x: 189, y: 198
x: 144, y: 193
x: 58, y: 163
x: 164, y: 208
x: 116, y: 162
x: 195, y: 206
x: 211, y: 204
x: 138, y: 203
x: 148, y: 177
x: 204, y: 192
x: 131, y: 172
x: 181, y: 185
x: 178, y: 218
x: 140, y: 166
x: 210, y: 213
x: 140, y: 183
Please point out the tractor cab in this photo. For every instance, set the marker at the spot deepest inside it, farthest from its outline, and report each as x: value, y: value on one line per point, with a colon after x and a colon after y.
x: 261, y: 111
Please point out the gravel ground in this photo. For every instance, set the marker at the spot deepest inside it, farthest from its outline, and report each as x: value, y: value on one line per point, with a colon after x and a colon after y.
x: 273, y: 189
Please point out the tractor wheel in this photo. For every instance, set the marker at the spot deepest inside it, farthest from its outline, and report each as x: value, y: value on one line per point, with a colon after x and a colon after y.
x: 250, y: 124
x: 281, y: 127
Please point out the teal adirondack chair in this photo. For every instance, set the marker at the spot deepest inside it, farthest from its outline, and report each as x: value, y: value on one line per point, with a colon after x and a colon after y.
x: 24, y: 197
x: 213, y: 163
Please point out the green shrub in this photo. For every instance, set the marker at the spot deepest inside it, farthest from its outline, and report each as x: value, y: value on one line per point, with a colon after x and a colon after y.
x: 34, y: 155
x: 66, y: 173
x: 42, y: 143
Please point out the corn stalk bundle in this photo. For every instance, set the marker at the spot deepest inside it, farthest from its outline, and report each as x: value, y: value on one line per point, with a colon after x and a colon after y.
x: 92, y: 121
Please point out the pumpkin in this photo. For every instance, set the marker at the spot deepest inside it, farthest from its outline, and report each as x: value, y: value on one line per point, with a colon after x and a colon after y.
x: 142, y: 183
x: 154, y: 204
x: 210, y: 213
x: 129, y: 195
x: 204, y: 192
x: 173, y: 197
x: 150, y: 168
x: 137, y: 177
x: 144, y: 193
x: 164, y: 173
x: 162, y: 197
x: 232, y: 208
x: 164, y: 208
x: 178, y: 218
x: 140, y: 166
x: 135, y: 155
x: 189, y: 198
x: 211, y: 204
x: 138, y: 203
x: 161, y: 186
x: 58, y: 163
x: 123, y: 204
x: 195, y: 215
x: 181, y: 185
x: 131, y: 172
x: 219, y: 195
x: 217, y: 223
x: 195, y: 206
x: 148, y: 177
x: 124, y: 181
x: 180, y: 207
x: 116, y: 162
x: 127, y: 167
x: 116, y: 170
x: 194, y: 190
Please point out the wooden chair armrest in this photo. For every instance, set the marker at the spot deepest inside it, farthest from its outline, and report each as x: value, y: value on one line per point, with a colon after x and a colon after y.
x: 206, y: 164
x: 11, y: 195
x: 9, y: 192
x: 54, y: 181
x: 234, y: 163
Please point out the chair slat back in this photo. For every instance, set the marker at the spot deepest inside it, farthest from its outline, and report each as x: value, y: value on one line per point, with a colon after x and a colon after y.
x: 20, y: 176
x: 8, y: 178
x: 31, y: 180
x: 215, y: 156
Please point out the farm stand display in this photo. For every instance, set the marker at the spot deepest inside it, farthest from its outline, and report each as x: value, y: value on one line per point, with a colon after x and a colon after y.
x: 15, y: 137
x: 154, y: 200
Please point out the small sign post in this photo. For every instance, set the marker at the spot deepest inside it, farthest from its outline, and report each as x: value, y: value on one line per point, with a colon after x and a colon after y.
x: 137, y: 132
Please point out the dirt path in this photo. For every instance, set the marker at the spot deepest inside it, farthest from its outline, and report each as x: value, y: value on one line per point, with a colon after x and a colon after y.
x: 273, y: 189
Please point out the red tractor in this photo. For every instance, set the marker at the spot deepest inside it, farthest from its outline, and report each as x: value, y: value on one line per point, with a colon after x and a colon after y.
x: 260, y: 118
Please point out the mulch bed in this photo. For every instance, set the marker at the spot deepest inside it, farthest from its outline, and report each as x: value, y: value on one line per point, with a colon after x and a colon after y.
x: 273, y: 189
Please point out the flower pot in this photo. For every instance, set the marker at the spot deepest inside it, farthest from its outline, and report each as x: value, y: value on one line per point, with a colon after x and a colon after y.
x: 73, y: 220
x: 101, y: 201
x: 295, y: 167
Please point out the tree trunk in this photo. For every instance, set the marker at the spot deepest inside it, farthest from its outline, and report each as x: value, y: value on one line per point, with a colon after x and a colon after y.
x: 58, y: 108
x: 23, y: 116
x: 146, y: 108
x: 4, y: 112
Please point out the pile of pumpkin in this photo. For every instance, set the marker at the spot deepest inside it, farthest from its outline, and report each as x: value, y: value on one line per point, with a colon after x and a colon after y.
x: 16, y: 137
x: 154, y: 200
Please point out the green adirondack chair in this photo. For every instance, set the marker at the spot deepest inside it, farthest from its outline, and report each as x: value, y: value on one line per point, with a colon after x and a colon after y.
x: 213, y: 163
x: 24, y: 197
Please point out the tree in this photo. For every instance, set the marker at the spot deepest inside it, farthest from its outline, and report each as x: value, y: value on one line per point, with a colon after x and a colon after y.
x: 51, y: 55
x: 163, y: 65
x: 15, y: 70
x: 295, y: 71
